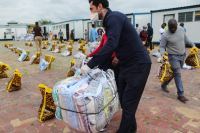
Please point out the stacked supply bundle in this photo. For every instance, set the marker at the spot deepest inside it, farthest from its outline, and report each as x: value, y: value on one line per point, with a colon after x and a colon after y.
x: 87, y: 103
x: 24, y: 56
x: 3, y: 68
x: 165, y: 73
x: 193, y: 58
x: 45, y: 64
x: 47, y: 108
x: 35, y: 59
x: 15, y: 82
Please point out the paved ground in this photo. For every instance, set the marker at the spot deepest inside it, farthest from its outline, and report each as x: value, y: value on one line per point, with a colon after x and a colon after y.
x: 158, y: 112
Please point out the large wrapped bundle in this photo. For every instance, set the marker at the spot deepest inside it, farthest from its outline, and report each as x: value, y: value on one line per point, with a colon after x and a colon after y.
x: 19, y: 51
x: 54, y: 46
x: 46, y: 63
x: 87, y: 103
x: 15, y: 82
x: 76, y: 62
x: 8, y: 45
x: 27, y: 57
x: 43, y: 65
x: 65, y: 53
x: 165, y: 73
x: 50, y: 59
x: 70, y: 49
x: 193, y: 58
x: 29, y: 43
x: 47, y: 107
x: 45, y: 44
x: 35, y: 59
x: 3, y: 68
x: 24, y: 56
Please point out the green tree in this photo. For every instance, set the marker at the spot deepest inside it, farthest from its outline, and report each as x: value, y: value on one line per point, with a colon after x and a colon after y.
x: 45, y: 21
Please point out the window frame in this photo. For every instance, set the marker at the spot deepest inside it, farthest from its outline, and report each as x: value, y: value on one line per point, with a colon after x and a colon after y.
x: 195, y: 15
x: 185, y: 16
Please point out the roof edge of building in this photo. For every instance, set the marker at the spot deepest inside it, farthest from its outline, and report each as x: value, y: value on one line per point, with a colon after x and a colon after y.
x: 176, y: 8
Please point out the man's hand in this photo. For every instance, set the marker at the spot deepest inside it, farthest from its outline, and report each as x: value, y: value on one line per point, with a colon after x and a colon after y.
x: 115, y: 61
x: 85, y: 69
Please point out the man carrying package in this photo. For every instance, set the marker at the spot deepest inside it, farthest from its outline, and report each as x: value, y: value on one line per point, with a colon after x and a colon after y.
x: 175, y: 40
x: 135, y: 63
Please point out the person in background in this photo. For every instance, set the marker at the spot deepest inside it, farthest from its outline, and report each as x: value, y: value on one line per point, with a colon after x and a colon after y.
x: 38, y: 37
x: 93, y: 34
x: 166, y: 27
x: 86, y: 35
x: 4, y: 35
x: 13, y: 36
x: 144, y: 35
x: 50, y: 36
x: 134, y: 61
x: 138, y: 29
x: 182, y: 25
x: 162, y: 30
x: 150, y: 37
x: 72, y: 35
x: 174, y: 41
x: 60, y: 35
x: 100, y: 32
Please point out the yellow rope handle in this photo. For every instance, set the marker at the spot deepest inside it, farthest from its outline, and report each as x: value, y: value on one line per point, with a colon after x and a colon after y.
x: 17, y: 72
x: 163, y: 75
x: 197, y: 59
x: 46, y: 90
x: 9, y: 85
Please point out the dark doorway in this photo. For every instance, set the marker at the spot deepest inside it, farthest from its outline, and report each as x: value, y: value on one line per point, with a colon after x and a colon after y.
x: 67, y: 31
x: 45, y: 33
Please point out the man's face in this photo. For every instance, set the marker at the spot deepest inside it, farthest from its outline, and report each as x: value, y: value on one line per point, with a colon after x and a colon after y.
x: 172, y: 28
x: 93, y: 8
x: 98, y: 9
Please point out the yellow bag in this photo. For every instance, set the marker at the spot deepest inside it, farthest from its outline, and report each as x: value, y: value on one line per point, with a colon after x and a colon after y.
x: 37, y: 59
x: 47, y: 107
x: 54, y: 46
x: 28, y: 57
x: 44, y: 44
x: 84, y: 50
x: 3, y: 68
x: 71, y: 42
x: 50, y: 59
x: 70, y: 49
x: 15, y: 82
x: 71, y: 71
x: 8, y: 45
x: 165, y: 73
x: 193, y: 58
x: 30, y: 44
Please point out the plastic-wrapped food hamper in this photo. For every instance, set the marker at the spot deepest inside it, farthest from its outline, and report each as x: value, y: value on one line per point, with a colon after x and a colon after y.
x: 87, y: 103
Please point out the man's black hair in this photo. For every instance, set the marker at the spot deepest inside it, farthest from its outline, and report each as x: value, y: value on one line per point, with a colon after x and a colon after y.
x: 105, y: 3
x: 93, y: 25
x: 182, y: 24
x: 36, y: 23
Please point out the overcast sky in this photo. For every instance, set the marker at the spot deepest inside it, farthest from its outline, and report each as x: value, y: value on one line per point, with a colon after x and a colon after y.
x: 29, y: 11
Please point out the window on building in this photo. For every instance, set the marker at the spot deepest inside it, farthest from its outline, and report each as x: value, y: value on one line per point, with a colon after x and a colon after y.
x: 99, y: 23
x: 185, y: 17
x: 197, y: 16
x: 130, y: 20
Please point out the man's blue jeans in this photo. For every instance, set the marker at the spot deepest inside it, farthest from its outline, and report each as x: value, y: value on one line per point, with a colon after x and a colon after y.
x: 176, y: 62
